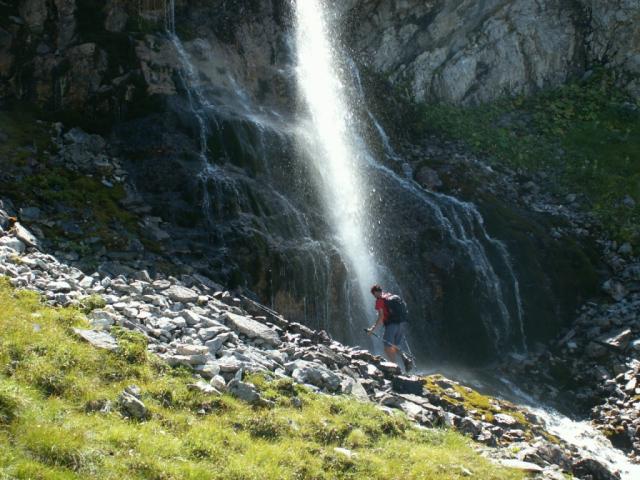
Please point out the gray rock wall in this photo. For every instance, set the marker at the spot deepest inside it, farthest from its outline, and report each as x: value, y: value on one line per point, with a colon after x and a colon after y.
x: 468, y: 52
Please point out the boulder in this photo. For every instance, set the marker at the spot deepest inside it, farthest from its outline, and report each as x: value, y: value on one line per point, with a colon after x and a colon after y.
x: 181, y: 294
x: 402, y: 384
x: 116, y: 16
x: 243, y: 391
x: 13, y: 243
x: 208, y: 370
x: 595, y: 350
x: 25, y: 236
x: 252, y: 329
x: 186, y: 360
x: 313, y: 374
x: 505, y: 420
x: 132, y: 407
x: 592, y: 469
x: 216, y: 344
x: 614, y: 288
x: 189, y: 350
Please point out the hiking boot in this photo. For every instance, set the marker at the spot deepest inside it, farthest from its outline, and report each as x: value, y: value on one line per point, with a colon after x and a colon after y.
x: 409, y: 364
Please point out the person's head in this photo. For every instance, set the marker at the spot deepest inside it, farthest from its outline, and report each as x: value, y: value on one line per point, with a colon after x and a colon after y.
x: 376, y: 290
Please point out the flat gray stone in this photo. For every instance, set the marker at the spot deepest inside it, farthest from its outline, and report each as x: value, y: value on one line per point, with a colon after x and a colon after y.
x: 60, y: 286
x: 25, y: 235
x: 619, y: 340
x: 252, y: 329
x: 98, y: 339
x: 102, y: 319
x: 181, y: 294
x: 188, y: 349
x: 186, y: 360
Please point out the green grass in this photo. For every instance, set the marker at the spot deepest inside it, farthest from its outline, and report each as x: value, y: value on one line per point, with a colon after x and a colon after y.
x: 50, y: 384
x: 585, y: 134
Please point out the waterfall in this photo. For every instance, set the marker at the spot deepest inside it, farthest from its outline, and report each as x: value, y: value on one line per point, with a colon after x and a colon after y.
x: 356, y: 189
x: 462, y: 222
x: 329, y: 141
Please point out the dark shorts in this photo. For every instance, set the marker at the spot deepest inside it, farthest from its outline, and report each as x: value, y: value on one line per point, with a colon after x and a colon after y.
x: 395, y: 334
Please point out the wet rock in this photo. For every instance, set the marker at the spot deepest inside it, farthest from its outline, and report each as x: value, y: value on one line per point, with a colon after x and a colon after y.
x: 592, y: 469
x: 428, y: 178
x: 402, y: 384
x: 116, y: 16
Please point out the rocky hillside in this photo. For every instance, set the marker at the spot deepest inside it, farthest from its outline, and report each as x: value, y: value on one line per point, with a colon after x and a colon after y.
x: 217, y: 346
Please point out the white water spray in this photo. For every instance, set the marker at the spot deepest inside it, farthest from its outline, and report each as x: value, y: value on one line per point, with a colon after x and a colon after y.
x: 329, y: 141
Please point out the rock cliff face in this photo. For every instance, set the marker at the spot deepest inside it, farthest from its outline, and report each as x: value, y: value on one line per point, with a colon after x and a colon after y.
x: 466, y: 51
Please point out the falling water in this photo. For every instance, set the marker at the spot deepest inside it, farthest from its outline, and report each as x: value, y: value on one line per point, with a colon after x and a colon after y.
x: 329, y: 142
x: 463, y: 224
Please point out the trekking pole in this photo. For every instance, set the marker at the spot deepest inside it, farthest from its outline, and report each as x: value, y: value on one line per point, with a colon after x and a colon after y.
x: 407, y: 358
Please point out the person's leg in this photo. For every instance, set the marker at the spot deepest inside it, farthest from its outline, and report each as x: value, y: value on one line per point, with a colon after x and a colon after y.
x: 390, y: 353
x: 400, y: 340
x: 390, y: 349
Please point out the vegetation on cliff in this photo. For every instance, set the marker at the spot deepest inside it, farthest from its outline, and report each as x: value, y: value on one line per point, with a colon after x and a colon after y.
x: 584, y: 135
x: 59, y: 418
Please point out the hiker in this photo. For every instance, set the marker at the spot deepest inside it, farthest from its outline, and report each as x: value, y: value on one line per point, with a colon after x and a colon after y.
x: 392, y: 313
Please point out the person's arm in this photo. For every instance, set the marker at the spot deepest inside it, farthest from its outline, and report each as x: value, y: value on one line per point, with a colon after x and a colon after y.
x: 378, y: 321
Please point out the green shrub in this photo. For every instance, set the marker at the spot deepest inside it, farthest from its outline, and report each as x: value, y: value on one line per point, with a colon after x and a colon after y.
x: 92, y: 302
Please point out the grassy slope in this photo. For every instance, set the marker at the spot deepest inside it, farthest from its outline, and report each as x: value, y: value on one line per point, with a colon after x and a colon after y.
x: 49, y: 382
x: 585, y: 134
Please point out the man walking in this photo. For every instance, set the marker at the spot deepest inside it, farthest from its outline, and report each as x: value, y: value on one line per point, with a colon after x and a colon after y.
x: 392, y: 313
